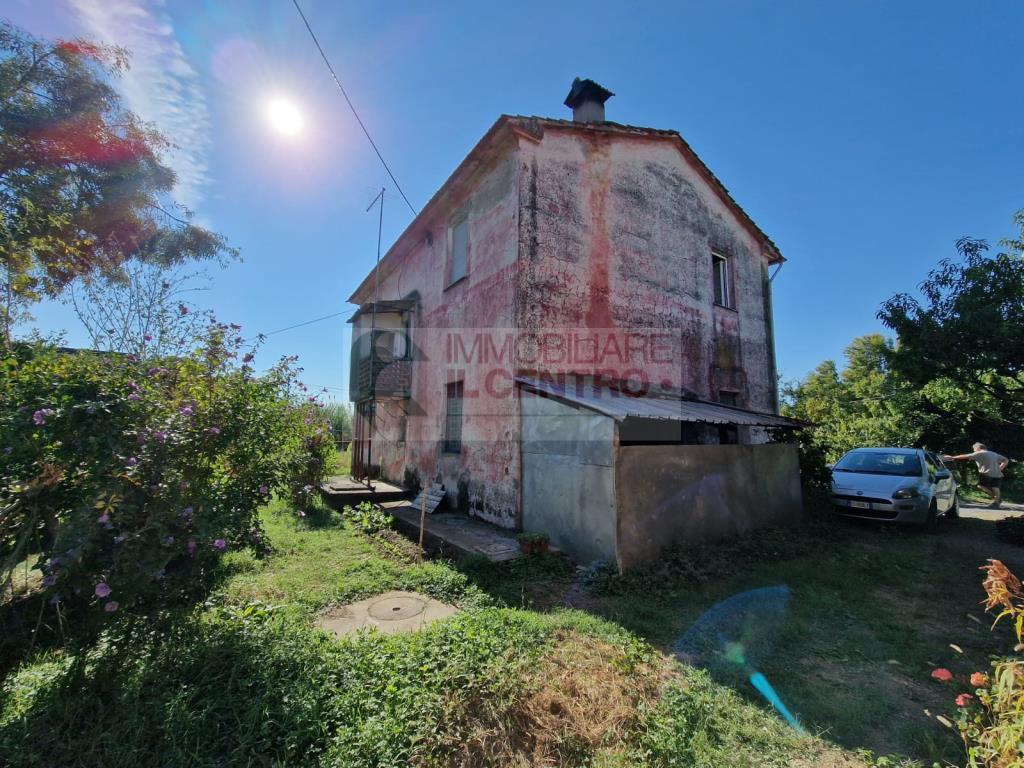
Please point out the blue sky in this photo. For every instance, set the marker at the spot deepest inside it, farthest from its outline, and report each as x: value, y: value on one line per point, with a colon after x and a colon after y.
x: 864, y: 137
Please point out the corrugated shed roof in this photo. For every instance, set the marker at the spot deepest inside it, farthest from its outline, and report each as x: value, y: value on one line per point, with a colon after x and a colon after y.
x: 620, y: 406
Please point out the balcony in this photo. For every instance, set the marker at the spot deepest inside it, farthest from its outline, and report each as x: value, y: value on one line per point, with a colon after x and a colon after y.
x: 377, y: 378
x: 382, y: 368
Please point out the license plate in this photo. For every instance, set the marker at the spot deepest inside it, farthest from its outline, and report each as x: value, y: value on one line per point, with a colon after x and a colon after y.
x: 860, y: 505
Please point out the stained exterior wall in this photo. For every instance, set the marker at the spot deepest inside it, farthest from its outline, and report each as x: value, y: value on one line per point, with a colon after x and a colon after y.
x: 569, y: 477
x: 483, y: 478
x: 578, y: 240
x: 616, y: 235
x: 700, y: 493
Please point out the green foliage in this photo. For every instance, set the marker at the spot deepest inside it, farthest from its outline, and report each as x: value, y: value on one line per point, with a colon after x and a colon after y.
x: 246, y: 681
x: 533, y: 537
x: 131, y: 478
x: 962, y: 342
x: 340, y: 416
x: 81, y: 178
x: 865, y: 404
x: 367, y: 517
x: 705, y: 725
x: 308, y: 466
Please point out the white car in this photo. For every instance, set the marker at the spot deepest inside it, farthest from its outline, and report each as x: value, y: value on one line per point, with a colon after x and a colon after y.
x: 901, y: 485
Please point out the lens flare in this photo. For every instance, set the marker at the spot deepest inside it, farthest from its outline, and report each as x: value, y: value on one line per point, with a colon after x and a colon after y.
x: 734, y: 636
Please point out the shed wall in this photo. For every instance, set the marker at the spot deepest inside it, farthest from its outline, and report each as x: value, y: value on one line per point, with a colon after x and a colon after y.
x: 569, y: 477
x: 693, y: 494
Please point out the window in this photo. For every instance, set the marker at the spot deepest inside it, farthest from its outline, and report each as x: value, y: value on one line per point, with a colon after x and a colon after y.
x: 722, y: 274
x: 453, y: 419
x: 728, y: 434
x: 459, y: 264
x: 728, y: 398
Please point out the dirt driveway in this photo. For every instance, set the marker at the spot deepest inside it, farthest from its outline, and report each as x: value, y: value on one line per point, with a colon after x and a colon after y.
x: 975, y: 532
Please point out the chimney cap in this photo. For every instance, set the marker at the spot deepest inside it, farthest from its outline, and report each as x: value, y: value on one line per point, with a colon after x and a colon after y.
x: 586, y: 90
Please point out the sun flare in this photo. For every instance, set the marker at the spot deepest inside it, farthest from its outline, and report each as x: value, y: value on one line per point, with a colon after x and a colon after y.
x: 285, y: 117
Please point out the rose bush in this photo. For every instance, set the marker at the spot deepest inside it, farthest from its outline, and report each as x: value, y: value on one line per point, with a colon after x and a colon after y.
x: 128, y: 479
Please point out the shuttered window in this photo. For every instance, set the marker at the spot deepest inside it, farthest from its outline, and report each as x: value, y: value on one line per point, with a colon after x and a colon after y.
x: 722, y: 275
x: 453, y: 419
x: 460, y: 251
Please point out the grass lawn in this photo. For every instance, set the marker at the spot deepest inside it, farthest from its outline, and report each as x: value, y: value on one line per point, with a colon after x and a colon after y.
x: 872, y: 611
x: 244, y: 679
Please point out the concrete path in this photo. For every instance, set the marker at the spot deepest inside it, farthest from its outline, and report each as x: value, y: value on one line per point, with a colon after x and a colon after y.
x: 461, y: 533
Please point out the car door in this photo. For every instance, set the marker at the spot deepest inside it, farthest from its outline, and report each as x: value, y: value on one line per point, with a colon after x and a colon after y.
x: 942, y: 481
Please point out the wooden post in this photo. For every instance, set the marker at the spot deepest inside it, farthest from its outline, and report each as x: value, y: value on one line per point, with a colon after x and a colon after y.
x: 423, y: 517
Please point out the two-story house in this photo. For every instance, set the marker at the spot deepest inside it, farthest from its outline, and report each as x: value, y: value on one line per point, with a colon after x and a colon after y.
x: 575, y: 336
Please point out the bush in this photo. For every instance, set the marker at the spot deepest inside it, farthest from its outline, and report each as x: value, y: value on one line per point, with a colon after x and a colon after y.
x: 129, y: 479
x: 367, y: 518
x: 307, y: 466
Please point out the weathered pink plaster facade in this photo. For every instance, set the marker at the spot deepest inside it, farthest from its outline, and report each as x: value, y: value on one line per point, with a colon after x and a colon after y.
x: 590, y: 254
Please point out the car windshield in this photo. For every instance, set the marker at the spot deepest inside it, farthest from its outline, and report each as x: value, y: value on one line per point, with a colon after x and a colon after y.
x: 880, y: 463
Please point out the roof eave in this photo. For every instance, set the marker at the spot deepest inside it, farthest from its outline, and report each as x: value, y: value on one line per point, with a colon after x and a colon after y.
x: 495, y: 135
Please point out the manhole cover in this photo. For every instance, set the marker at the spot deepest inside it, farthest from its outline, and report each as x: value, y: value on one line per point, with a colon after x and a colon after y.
x: 396, y: 608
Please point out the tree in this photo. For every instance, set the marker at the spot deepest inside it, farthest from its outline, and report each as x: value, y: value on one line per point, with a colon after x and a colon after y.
x: 864, y: 404
x: 145, y: 312
x: 82, y: 186
x: 962, y: 342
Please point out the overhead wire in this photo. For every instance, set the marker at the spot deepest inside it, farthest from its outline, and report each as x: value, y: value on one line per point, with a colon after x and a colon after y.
x: 307, y: 322
x: 344, y: 93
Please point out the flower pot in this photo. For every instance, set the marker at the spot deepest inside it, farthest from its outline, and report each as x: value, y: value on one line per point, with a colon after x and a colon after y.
x: 540, y: 547
x: 527, y: 547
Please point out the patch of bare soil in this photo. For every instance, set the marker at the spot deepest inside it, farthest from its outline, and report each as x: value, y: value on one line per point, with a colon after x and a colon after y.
x: 583, y: 696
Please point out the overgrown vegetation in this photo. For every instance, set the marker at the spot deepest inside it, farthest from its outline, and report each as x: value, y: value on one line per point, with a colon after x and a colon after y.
x: 870, y: 612
x: 246, y: 675
x: 126, y: 480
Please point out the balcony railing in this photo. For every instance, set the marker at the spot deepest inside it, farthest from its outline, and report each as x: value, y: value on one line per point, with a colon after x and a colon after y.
x: 376, y: 377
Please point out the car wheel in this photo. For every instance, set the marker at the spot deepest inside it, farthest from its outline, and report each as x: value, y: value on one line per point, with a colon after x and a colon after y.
x: 953, y: 513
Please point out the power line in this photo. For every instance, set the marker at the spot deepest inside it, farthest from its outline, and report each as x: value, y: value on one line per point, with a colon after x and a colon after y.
x: 351, y: 105
x: 309, y: 322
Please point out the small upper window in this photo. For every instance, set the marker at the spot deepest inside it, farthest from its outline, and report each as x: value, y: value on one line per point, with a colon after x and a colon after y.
x: 459, y: 265
x: 722, y: 274
x: 453, y: 418
x: 728, y: 398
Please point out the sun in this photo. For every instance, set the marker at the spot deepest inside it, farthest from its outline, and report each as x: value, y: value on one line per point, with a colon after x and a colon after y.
x: 285, y: 117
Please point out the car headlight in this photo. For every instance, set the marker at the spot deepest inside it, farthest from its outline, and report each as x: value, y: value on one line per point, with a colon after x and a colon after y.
x: 907, y: 493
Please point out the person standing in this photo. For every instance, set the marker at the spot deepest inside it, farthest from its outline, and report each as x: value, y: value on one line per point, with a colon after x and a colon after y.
x: 990, y: 471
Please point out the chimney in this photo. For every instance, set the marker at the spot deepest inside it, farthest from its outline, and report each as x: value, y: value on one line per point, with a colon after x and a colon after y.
x: 586, y: 100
